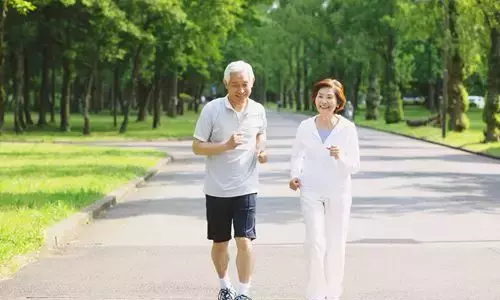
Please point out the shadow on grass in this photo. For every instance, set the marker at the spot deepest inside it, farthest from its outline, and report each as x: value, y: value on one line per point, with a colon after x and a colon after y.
x: 108, y: 130
x: 73, y: 154
x: 70, y: 200
x: 71, y: 170
x: 101, y: 126
x: 494, y: 151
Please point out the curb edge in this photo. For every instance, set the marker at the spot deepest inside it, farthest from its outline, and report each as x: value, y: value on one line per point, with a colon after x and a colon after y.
x: 59, y: 234
x: 429, y: 141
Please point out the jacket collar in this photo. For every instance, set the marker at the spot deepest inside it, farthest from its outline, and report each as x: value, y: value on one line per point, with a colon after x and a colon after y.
x: 342, y: 123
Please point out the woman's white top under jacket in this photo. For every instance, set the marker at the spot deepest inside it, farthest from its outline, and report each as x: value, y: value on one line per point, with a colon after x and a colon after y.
x: 320, y: 173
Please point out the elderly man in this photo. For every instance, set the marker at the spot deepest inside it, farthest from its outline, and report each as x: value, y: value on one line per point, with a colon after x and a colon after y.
x: 231, y: 133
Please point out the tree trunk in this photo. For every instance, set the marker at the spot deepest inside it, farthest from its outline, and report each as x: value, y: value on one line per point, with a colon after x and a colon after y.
x: 93, y: 93
x: 355, y: 88
x: 491, y: 113
x: 431, y: 81
x: 86, y: 103
x: 259, y: 89
x: 180, y: 105
x: 373, y: 97
x: 148, y: 94
x: 3, y: 16
x: 75, y: 101
x: 99, y: 91
x: 102, y: 91
x: 431, y: 105
x: 305, y: 76
x: 172, y: 94
x: 15, y: 83
x: 108, y: 104
x: 141, y: 104
x: 199, y: 93
x: 18, y: 90
x: 65, y: 94
x: 290, y: 83
x: 458, y: 98
x: 394, y: 104
x: 166, y: 94
x: 298, y: 78
x: 116, y: 95
x: 143, y: 101
x: 282, y: 98
x: 135, y: 81
x: 157, y: 101
x: 437, y: 95
x: 151, y: 104
x: 44, y: 87
x: 53, y: 95
x: 26, y: 90
x: 290, y: 98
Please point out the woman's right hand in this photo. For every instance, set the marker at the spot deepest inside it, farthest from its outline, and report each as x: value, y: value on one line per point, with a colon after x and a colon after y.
x: 294, y: 183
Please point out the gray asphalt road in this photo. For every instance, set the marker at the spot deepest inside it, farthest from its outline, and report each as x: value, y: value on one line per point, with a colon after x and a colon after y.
x: 425, y: 225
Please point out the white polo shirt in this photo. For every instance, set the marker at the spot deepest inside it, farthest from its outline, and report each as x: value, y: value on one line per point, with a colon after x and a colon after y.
x: 234, y: 172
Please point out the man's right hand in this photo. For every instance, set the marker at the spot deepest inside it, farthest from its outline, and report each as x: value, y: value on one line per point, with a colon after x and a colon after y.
x: 234, y: 141
x: 294, y: 183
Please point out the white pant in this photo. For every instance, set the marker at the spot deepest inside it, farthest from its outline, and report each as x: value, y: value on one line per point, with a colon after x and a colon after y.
x: 326, y: 221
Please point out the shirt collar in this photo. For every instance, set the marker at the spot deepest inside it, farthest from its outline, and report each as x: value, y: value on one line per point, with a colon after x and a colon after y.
x: 229, y: 106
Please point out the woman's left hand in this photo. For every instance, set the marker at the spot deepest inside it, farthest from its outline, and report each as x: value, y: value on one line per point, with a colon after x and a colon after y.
x: 334, y: 151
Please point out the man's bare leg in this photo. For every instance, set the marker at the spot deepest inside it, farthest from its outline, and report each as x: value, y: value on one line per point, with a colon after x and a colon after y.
x: 220, y: 258
x: 244, y: 263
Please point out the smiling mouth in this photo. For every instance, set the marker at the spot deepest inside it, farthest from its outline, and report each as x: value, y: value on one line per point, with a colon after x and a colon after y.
x: 326, y: 106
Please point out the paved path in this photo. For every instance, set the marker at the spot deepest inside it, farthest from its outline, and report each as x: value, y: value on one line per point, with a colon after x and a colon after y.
x: 425, y: 225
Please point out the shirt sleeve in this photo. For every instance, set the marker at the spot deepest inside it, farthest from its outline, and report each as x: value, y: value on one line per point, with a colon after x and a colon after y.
x: 263, y: 127
x: 298, y: 152
x: 349, y: 158
x: 204, y: 125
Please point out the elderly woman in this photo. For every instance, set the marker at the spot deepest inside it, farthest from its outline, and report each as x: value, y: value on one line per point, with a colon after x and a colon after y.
x: 324, y: 155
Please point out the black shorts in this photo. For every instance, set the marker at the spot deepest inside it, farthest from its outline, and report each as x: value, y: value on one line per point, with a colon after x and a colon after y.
x: 238, y: 211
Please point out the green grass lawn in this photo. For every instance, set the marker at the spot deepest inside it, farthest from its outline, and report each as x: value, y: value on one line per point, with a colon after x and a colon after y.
x: 102, y: 128
x: 41, y: 184
x: 470, y: 139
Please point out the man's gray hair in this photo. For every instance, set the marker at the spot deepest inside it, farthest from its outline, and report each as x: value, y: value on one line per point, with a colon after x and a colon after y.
x: 238, y: 66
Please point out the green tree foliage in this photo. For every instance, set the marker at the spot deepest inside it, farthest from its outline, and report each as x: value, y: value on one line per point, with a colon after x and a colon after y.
x: 86, y: 56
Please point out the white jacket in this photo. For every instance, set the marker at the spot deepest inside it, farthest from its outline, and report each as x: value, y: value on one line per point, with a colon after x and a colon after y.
x: 320, y: 173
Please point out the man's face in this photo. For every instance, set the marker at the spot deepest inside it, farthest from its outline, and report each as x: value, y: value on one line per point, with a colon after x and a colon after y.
x: 239, y: 86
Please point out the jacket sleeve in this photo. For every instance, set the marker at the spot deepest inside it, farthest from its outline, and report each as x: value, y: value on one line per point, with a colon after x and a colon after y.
x: 349, y: 158
x: 298, y: 152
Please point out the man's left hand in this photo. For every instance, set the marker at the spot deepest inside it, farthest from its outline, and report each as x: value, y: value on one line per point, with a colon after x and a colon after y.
x: 262, y: 156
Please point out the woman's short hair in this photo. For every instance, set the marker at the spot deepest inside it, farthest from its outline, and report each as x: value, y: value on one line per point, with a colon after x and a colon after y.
x: 338, y: 90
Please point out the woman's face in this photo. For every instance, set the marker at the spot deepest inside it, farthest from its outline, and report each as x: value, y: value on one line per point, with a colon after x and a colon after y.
x: 325, y: 101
